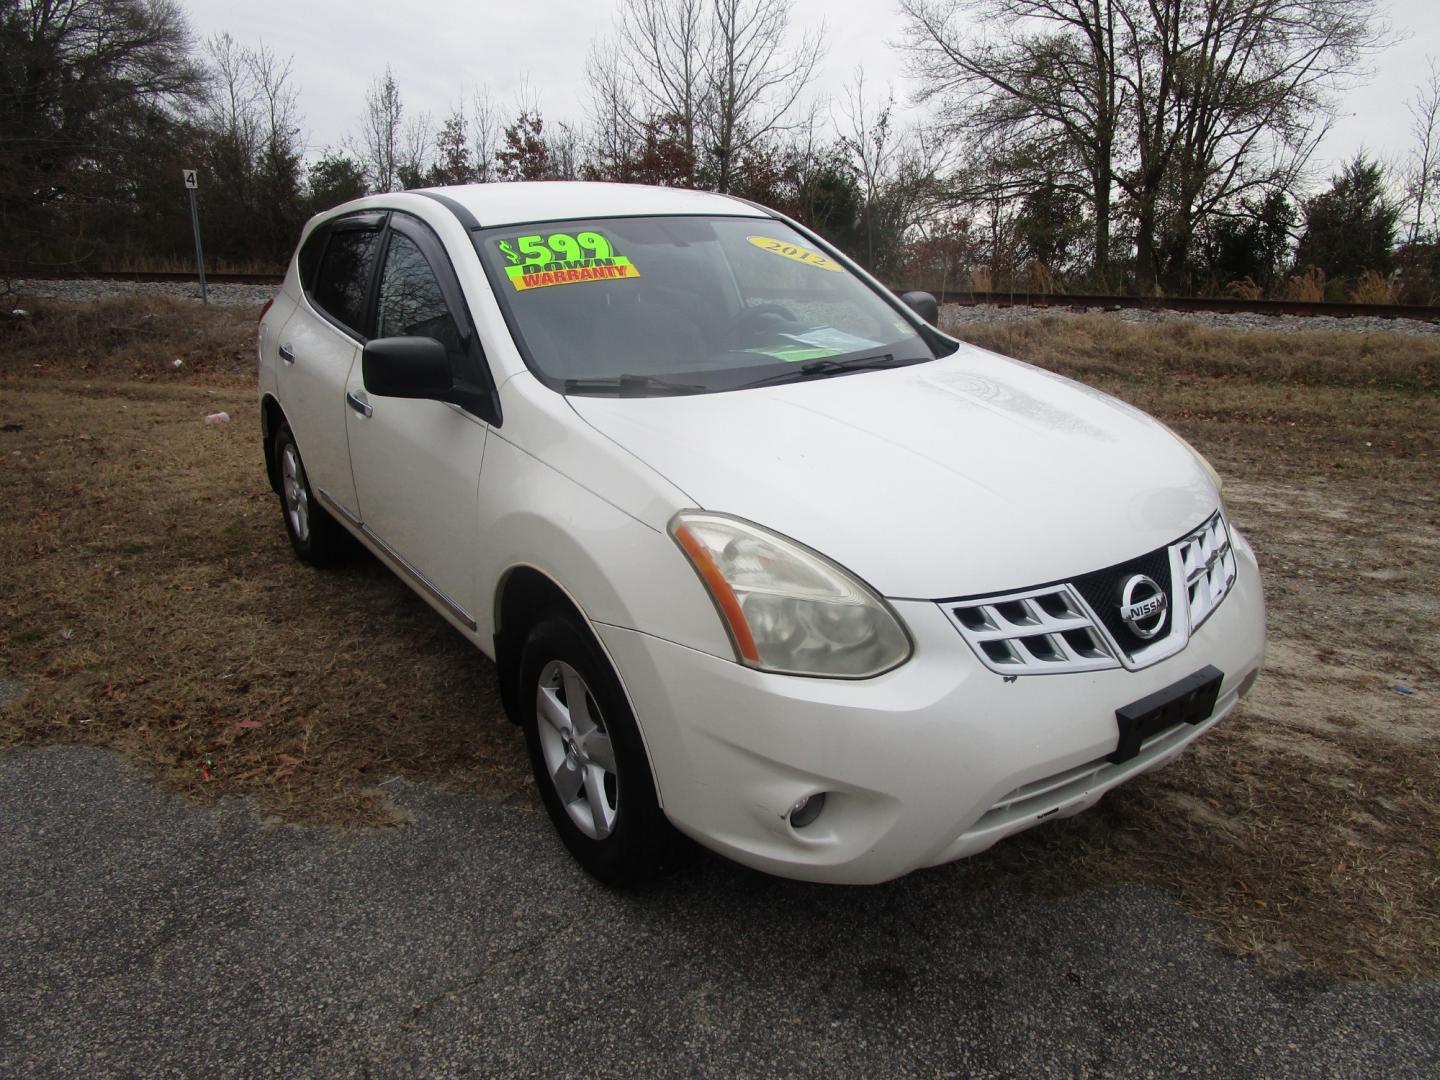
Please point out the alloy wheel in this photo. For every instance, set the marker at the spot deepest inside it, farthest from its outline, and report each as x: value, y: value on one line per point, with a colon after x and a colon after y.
x: 579, y: 757
x: 297, y: 499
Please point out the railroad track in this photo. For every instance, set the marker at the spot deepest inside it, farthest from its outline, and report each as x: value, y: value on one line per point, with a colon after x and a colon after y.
x: 1223, y: 305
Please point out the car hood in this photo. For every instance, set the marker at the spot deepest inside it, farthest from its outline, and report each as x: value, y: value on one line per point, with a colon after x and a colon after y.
x: 971, y: 474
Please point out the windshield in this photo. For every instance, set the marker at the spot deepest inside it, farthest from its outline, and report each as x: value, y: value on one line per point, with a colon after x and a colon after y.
x: 686, y: 305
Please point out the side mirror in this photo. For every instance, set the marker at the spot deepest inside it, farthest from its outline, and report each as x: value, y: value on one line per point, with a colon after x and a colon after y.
x: 924, y: 305
x: 407, y: 367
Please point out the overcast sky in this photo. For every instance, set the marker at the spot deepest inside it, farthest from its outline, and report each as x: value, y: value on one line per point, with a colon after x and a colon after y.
x: 441, y: 52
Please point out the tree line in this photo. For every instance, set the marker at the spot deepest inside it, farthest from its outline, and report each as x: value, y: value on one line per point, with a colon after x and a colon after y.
x: 1056, y: 145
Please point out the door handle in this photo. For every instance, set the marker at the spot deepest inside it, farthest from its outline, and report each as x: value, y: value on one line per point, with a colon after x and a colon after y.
x: 358, y: 403
x: 286, y: 353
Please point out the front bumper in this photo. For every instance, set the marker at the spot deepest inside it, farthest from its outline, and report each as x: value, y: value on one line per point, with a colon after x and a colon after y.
x: 932, y: 762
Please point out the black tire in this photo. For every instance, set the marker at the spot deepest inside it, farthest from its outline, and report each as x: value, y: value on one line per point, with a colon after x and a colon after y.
x: 316, y: 536
x: 640, y: 842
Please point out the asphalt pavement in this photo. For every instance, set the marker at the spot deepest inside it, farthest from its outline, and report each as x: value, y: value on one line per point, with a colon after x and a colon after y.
x: 143, y: 936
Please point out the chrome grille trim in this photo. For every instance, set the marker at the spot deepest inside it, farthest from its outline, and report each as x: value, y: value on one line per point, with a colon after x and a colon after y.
x: 1041, y: 631
x: 1053, y: 629
x: 1207, y: 564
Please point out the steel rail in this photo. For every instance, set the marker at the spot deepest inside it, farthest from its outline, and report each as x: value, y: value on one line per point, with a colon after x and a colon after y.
x: 1220, y: 305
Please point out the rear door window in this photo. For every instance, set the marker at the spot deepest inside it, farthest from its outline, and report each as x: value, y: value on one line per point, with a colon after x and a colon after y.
x: 343, y: 283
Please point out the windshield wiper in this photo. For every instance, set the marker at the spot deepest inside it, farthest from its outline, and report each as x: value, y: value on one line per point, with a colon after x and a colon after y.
x: 819, y: 369
x: 631, y: 386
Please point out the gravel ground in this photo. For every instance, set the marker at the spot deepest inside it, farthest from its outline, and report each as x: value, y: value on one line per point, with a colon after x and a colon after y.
x: 79, y: 292
x: 957, y: 316
x: 146, y: 937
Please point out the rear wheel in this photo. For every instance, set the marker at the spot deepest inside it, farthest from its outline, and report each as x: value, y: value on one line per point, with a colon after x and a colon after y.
x: 317, y: 538
x: 588, y: 758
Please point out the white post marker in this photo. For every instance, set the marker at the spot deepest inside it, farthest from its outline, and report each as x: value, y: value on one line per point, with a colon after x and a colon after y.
x: 192, y: 181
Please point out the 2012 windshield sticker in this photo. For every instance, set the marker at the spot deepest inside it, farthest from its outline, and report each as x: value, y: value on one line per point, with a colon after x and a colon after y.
x: 795, y: 253
x: 536, y: 261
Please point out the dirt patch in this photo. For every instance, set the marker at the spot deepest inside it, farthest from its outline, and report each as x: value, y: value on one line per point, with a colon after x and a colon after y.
x: 153, y: 605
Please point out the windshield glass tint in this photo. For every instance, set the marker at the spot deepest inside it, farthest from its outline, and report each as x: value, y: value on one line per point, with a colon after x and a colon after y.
x: 711, y: 303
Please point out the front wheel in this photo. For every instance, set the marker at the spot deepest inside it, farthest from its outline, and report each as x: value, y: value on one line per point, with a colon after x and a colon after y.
x: 588, y: 758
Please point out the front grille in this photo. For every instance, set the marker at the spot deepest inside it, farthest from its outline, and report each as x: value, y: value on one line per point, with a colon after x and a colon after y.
x: 1077, y: 625
x: 1102, y: 589
x: 1040, y: 631
x: 1208, y: 565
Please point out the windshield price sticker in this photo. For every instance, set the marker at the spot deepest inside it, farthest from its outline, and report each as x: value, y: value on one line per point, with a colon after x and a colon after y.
x: 795, y: 252
x: 537, y: 260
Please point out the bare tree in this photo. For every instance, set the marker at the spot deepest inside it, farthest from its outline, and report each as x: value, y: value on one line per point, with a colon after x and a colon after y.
x: 667, y: 50
x: 754, y: 78
x: 1422, y: 170
x: 413, y: 153
x: 566, y: 151
x: 899, y: 171
x: 616, y: 131
x: 485, y: 135
x: 1185, y: 105
x: 249, y: 144
x: 379, y: 146
x: 697, y: 84
x: 1231, y: 97
x: 1052, y: 76
x: 89, y: 90
x: 872, y: 141
x: 229, y: 107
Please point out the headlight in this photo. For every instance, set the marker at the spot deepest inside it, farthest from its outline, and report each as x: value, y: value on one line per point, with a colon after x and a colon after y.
x: 787, y: 608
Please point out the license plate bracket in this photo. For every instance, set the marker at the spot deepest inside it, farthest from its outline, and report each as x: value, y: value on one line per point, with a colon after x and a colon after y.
x: 1189, y: 701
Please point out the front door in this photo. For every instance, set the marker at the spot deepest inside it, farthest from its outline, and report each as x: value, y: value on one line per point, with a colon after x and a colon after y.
x: 417, y: 463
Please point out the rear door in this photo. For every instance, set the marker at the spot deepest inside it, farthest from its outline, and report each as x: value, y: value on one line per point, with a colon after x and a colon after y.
x: 320, y: 345
x: 417, y: 463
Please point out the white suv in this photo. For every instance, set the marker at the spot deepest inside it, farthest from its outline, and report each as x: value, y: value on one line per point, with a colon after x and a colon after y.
x: 761, y: 555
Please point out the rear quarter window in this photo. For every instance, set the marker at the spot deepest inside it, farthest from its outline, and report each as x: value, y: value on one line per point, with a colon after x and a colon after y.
x: 310, y: 253
x: 342, y: 284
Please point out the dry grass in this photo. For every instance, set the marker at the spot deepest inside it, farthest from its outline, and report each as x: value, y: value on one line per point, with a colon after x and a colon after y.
x: 1308, y: 288
x: 153, y: 605
x: 1245, y: 289
x: 1372, y: 288
x: 128, y: 337
x: 1098, y: 348
x: 1040, y: 280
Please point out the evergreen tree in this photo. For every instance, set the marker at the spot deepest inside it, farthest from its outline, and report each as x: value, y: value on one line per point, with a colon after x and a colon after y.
x: 1350, y: 228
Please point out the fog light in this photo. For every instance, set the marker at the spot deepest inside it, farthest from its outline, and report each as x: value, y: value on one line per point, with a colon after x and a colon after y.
x: 807, y: 810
